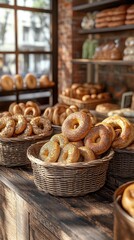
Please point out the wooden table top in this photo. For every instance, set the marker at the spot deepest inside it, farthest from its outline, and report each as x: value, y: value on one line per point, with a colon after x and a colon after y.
x: 80, y: 218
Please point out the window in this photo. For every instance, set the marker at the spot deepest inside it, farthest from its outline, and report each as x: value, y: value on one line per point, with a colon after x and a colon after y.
x: 28, y: 37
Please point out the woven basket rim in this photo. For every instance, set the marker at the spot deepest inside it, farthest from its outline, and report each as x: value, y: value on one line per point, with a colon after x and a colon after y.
x: 70, y: 165
x: 22, y: 139
x: 80, y: 101
x: 123, y: 150
x: 56, y: 127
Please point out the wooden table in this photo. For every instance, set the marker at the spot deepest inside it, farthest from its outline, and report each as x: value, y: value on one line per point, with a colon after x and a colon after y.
x: 29, y: 214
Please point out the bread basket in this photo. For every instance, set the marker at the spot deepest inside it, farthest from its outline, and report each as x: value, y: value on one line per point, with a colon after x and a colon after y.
x: 76, y: 179
x: 122, y: 164
x: 13, y: 151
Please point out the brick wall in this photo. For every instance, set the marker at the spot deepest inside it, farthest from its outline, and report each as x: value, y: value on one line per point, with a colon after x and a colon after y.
x: 64, y: 44
x: 117, y: 78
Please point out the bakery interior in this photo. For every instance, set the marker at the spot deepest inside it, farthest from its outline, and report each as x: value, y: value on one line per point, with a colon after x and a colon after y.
x: 66, y: 119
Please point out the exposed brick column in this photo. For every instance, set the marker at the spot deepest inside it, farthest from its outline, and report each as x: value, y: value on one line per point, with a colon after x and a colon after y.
x: 64, y: 44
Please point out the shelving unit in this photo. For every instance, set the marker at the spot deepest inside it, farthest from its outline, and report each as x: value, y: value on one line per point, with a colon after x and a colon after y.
x: 22, y: 95
x: 98, y: 6
x: 106, y: 30
x: 102, y: 62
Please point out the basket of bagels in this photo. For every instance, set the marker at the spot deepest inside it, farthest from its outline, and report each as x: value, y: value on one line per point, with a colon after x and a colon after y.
x: 75, y: 161
x: 86, y: 95
x: 21, y: 126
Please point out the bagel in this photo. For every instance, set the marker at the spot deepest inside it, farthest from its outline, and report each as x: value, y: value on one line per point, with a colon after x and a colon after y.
x: 60, y: 139
x: 40, y: 125
x: 18, y: 81
x: 30, y: 81
x: 87, y: 154
x: 99, y: 139
x: 69, y: 154
x: 48, y: 113
x: 45, y: 82
x: 49, y: 152
x: 7, y: 125
x: 7, y: 83
x: 35, y: 105
x: 10, y: 109
x: 20, y: 123
x: 76, y: 126
x: 17, y: 109
x: 128, y: 199
x: 127, y: 133
x: 31, y: 111
x: 27, y: 132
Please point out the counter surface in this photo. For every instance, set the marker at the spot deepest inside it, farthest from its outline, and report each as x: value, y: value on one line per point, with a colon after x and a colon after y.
x: 76, y: 218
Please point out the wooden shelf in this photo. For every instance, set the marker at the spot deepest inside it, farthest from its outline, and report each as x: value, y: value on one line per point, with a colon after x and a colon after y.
x: 103, y: 4
x: 102, y: 62
x: 106, y: 30
x: 25, y: 90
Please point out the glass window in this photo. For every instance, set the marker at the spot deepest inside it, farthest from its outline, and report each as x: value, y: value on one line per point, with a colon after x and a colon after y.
x: 7, y: 34
x: 7, y: 64
x: 10, y: 2
x: 34, y: 31
x: 27, y: 41
x: 37, y: 64
x: 44, y: 4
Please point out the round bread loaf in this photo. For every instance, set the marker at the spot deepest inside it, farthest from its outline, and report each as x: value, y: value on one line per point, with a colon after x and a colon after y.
x: 106, y: 107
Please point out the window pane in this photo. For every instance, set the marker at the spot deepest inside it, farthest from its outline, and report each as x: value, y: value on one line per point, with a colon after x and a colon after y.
x: 45, y: 4
x: 7, y: 64
x: 34, y: 31
x: 9, y: 2
x: 37, y: 64
x: 7, y: 35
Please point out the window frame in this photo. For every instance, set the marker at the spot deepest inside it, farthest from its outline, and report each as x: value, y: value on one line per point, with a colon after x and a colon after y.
x: 54, y: 32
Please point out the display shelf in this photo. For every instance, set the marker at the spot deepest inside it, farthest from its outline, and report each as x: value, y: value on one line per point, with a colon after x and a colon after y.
x: 106, y: 30
x: 25, y: 90
x: 102, y: 62
x: 100, y: 5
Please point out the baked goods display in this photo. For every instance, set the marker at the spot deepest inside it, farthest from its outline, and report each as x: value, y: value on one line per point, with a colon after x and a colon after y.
x: 8, y: 82
x: 23, y: 120
x: 109, y: 51
x: 116, y: 132
x: 59, y: 112
x: 127, y: 200
x: 112, y: 17
x: 128, y: 54
x: 18, y: 126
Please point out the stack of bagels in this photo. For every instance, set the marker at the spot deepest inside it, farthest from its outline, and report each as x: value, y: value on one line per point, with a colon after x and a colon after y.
x: 112, y: 17
x: 59, y: 112
x: 115, y: 17
x: 80, y: 141
x: 86, y: 92
x: 30, y: 81
x: 24, y: 120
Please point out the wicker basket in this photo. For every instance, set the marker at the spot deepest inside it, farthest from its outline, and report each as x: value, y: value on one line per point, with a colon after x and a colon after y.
x: 122, y: 164
x: 13, y: 151
x: 80, y: 104
x: 76, y: 179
